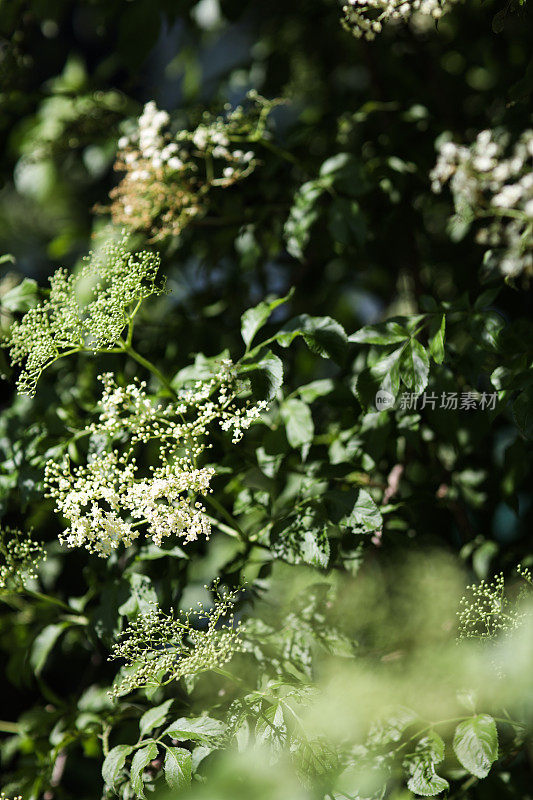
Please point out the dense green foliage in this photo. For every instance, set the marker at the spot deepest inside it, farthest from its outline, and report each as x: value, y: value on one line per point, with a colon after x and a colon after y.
x: 265, y: 457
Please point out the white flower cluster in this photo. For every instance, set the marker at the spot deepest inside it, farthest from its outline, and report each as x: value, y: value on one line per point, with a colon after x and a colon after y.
x: 489, y: 182
x: 152, y: 141
x: 158, y: 647
x: 115, y: 280
x: 365, y: 18
x: 19, y: 557
x: 96, y: 497
x: 167, y: 176
x: 109, y: 498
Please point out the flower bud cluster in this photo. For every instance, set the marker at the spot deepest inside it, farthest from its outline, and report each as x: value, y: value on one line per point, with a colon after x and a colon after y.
x: 491, y: 181
x: 365, y: 18
x: 158, y: 647
x: 168, y: 177
x: 487, y: 611
x: 19, y: 558
x: 109, y: 498
x: 87, y: 310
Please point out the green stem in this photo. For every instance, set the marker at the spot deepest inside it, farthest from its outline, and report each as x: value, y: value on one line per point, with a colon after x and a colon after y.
x: 227, y: 516
x: 9, y: 727
x: 495, y: 211
x: 46, y: 598
x: 279, y: 151
x: 127, y: 348
x: 224, y: 528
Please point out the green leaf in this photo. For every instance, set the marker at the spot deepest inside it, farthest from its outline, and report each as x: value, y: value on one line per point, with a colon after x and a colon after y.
x: 298, y: 422
x: 475, y: 744
x: 140, y: 761
x: 44, y: 643
x: 265, y: 375
x: 414, y: 366
x: 154, y: 717
x: 142, y: 596
x: 195, y: 729
x: 302, y: 540
x: 310, y: 391
x: 436, y: 341
x: 302, y: 217
x: 389, y: 332
x: 314, y: 548
x: 114, y: 762
x: 426, y: 782
x: 254, y: 319
x: 203, y: 369
x: 346, y: 173
x: 21, y: 297
x: 178, y: 767
x: 323, y: 336
x: 365, y: 516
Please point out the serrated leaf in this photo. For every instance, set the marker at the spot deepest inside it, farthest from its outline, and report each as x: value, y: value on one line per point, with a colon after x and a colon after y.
x: 270, y: 728
x: 139, y: 762
x: 323, y: 335
x: 254, y: 318
x: 365, y: 516
x: 303, y: 540
x: 195, y: 728
x: 114, y: 761
x: 154, y: 717
x: 178, y: 767
x: 265, y: 375
x: 475, y: 744
x: 414, y: 366
x: 142, y: 597
x: 389, y: 332
x: 298, y: 421
x: 424, y: 780
x: 314, y: 548
x: 425, y: 783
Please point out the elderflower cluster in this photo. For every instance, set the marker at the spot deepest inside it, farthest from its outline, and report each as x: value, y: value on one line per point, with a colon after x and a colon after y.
x: 490, y: 181
x: 168, y: 177
x: 107, y: 500
x: 19, y: 558
x: 114, y: 283
x: 365, y: 18
x: 487, y: 611
x: 159, y: 647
